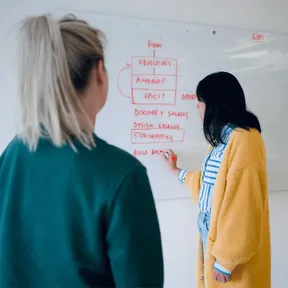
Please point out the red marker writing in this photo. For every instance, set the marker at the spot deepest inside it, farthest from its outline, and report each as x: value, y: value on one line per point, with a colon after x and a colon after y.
x: 173, y: 158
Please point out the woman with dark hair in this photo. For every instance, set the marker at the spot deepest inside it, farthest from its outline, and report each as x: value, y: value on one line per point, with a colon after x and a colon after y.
x: 230, y: 189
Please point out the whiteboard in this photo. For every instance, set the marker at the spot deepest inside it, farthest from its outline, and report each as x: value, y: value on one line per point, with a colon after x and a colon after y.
x: 154, y: 68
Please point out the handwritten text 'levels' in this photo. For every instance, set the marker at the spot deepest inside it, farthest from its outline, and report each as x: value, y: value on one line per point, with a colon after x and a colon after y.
x: 149, y: 136
x: 160, y: 113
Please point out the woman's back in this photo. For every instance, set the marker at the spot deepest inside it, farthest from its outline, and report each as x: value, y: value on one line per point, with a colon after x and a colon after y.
x: 76, y: 219
x: 74, y: 210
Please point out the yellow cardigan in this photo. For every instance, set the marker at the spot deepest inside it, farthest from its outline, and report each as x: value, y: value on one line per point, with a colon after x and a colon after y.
x: 239, y: 236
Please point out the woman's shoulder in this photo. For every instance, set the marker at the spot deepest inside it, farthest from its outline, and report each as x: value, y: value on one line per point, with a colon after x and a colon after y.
x: 243, y: 137
x: 14, y: 145
x: 121, y: 159
x: 246, y: 146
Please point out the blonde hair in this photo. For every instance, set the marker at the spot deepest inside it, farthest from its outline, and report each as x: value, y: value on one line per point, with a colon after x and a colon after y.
x: 56, y: 62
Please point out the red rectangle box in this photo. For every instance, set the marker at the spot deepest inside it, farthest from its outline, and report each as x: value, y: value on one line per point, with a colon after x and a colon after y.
x: 152, y: 136
x: 152, y: 65
x: 153, y: 97
x: 154, y: 82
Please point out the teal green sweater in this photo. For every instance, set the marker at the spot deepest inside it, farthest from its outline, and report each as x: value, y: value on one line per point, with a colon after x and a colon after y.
x: 85, y: 219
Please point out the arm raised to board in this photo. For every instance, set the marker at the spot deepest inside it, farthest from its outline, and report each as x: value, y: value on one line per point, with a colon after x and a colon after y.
x: 190, y: 179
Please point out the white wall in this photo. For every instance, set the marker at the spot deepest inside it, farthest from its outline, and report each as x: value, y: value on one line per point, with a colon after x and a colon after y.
x: 177, y: 217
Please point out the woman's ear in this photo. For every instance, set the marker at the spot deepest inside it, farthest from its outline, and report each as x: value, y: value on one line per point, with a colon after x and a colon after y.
x: 101, y: 71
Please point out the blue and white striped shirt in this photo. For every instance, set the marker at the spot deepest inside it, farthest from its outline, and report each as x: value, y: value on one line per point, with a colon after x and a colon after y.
x: 210, y: 168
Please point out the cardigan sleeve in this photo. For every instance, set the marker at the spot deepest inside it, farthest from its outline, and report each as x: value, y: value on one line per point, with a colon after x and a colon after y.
x: 193, y: 182
x: 239, y: 226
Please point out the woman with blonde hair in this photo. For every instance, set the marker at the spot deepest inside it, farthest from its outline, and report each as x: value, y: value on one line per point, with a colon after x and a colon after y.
x: 75, y: 211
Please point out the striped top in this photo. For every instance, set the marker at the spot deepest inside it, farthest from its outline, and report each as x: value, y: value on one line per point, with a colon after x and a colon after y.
x: 210, y: 168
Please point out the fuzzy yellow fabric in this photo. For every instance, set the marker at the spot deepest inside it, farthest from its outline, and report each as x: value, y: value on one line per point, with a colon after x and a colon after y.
x: 239, y: 236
